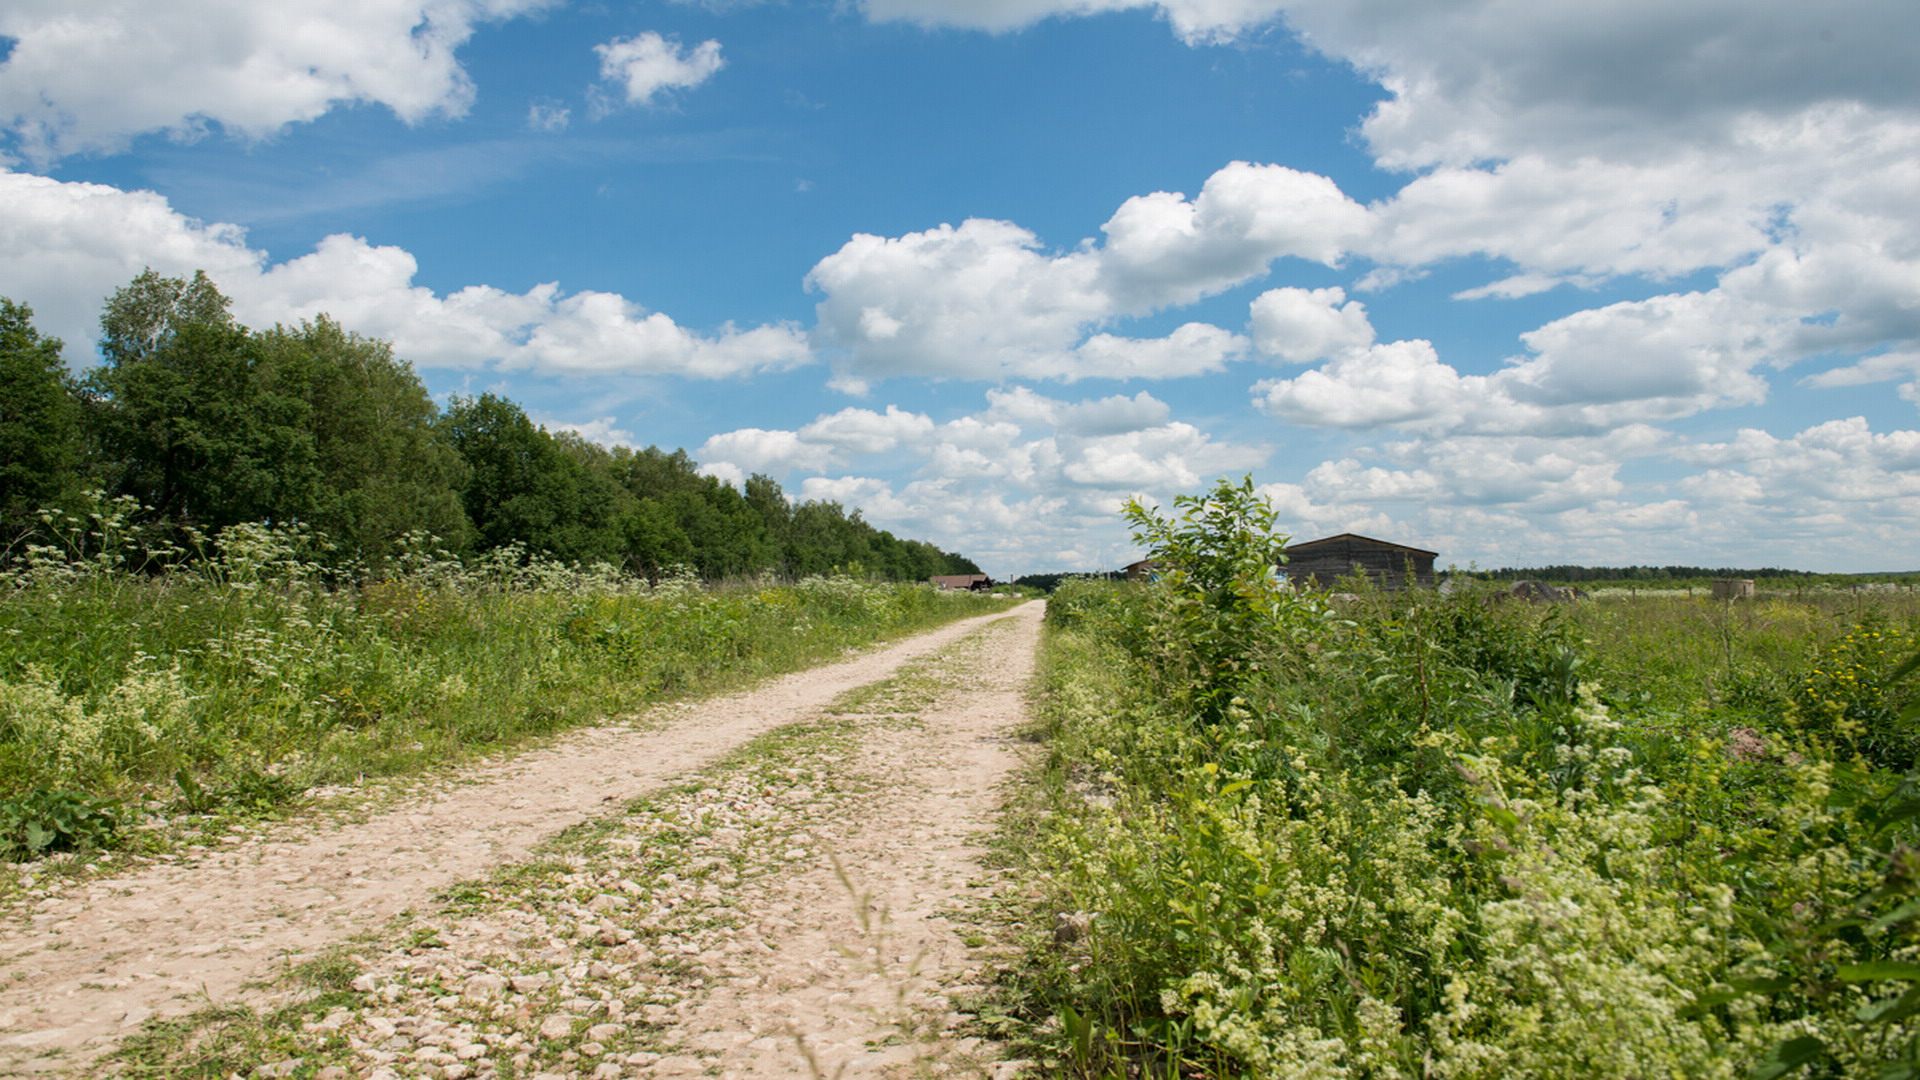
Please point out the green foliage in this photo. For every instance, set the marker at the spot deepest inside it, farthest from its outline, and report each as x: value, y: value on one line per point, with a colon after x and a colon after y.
x: 1448, y: 837
x: 39, y: 423
x: 202, y: 424
x: 241, y: 788
x: 183, y: 423
x: 1220, y: 595
x: 1047, y: 583
x: 1849, y: 699
x: 524, y: 487
x: 47, y: 820
x: 385, y: 470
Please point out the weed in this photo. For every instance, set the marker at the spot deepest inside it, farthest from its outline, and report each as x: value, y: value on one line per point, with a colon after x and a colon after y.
x: 46, y: 821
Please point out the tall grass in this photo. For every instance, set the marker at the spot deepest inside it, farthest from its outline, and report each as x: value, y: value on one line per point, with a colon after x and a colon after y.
x: 248, y: 675
x: 1426, y: 837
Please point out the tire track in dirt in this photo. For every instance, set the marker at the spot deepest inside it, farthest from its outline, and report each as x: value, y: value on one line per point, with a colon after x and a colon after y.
x: 857, y: 974
x: 85, y: 968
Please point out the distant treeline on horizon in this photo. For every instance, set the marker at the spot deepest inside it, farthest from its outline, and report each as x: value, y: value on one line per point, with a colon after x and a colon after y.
x: 206, y: 424
x: 1656, y: 575
x: 1653, y: 576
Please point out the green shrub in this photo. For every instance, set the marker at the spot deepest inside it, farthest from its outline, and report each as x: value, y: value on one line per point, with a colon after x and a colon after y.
x: 45, y: 821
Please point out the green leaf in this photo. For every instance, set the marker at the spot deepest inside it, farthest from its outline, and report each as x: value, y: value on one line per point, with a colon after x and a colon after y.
x: 1875, y: 970
x: 1788, y: 1056
x: 1903, y: 810
x: 1237, y: 785
x: 1505, y: 818
x: 1906, y: 669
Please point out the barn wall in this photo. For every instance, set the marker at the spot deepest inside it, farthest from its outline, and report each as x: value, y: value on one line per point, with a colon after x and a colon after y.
x: 1324, y: 564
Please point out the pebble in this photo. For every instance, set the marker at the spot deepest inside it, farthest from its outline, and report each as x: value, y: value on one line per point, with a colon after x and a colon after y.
x: 485, y: 985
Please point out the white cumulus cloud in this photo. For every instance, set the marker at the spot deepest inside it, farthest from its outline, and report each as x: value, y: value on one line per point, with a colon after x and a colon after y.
x: 1300, y: 326
x: 1194, y: 20
x: 986, y: 300
x: 64, y: 247
x: 89, y: 76
x: 647, y: 64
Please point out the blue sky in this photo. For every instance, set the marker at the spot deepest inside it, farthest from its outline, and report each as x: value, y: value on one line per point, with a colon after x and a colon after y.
x: 1521, y: 283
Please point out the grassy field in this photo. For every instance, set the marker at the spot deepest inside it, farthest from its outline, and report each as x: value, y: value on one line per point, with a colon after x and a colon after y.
x: 244, y: 680
x: 1424, y: 837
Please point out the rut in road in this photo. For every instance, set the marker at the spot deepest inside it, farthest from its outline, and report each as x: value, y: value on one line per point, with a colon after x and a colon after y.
x: 84, y: 971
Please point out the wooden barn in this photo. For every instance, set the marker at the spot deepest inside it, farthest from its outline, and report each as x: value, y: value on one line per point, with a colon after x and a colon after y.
x: 1393, y: 567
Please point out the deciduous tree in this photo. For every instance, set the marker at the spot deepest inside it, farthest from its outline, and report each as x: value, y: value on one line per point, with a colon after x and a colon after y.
x: 39, y: 422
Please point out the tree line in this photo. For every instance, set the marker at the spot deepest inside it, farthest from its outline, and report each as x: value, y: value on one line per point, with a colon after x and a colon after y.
x: 207, y: 423
x: 1658, y: 575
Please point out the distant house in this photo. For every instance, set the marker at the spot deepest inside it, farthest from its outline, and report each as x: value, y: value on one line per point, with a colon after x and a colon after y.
x: 1733, y: 589
x: 972, y: 582
x: 1136, y: 571
x: 1321, y: 563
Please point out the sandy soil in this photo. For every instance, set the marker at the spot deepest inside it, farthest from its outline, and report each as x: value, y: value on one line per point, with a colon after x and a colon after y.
x: 86, y: 968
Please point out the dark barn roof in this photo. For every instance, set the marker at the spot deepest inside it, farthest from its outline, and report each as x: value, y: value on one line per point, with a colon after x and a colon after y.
x: 1331, y: 542
x: 1321, y: 563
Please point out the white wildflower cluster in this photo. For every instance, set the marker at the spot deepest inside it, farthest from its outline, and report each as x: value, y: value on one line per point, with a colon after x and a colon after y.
x: 252, y: 554
x: 1590, y: 954
x: 146, y: 710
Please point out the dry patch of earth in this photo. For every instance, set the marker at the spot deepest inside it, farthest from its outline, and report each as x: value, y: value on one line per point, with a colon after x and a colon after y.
x: 755, y: 885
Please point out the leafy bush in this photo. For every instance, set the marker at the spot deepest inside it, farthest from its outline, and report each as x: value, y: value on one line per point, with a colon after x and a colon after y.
x: 1848, y: 699
x: 45, y: 821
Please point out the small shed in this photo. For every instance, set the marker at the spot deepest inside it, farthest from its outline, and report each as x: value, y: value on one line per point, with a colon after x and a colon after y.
x: 1136, y: 571
x: 969, y: 582
x: 1393, y: 567
x: 1733, y: 588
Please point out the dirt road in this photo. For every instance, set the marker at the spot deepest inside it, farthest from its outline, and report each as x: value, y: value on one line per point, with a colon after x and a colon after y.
x: 828, y: 893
